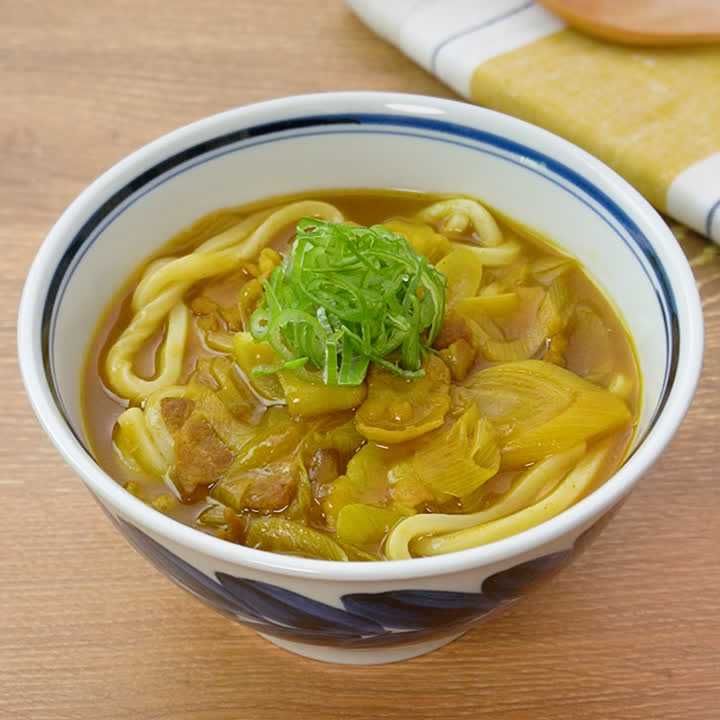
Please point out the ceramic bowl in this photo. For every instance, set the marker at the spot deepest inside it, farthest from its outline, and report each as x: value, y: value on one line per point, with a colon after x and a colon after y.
x: 380, y: 611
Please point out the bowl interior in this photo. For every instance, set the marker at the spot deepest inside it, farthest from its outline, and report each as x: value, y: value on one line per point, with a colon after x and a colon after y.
x: 525, y: 174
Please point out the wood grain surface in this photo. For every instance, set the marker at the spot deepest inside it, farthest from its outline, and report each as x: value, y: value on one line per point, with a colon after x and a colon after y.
x: 89, y: 630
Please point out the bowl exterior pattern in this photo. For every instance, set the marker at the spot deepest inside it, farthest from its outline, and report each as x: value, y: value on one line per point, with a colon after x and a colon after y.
x: 355, y: 619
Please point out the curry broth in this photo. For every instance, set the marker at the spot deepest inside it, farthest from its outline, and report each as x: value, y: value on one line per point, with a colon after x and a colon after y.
x: 101, y: 407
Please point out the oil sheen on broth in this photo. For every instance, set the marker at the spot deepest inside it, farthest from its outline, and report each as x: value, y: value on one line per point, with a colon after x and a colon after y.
x: 433, y: 384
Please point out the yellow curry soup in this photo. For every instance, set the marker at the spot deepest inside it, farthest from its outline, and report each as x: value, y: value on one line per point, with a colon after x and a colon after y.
x: 360, y: 375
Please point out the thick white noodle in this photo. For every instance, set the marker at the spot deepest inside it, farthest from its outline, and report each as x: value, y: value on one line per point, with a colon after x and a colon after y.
x: 452, y: 212
x: 577, y: 483
x: 522, y: 492
x: 158, y: 298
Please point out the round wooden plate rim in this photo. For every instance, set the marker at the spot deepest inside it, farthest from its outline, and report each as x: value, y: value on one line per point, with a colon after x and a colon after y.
x: 649, y: 22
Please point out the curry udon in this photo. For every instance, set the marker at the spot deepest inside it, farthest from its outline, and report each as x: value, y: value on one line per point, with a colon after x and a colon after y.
x: 360, y: 376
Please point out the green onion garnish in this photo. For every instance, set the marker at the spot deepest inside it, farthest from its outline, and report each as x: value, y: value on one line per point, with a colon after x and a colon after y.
x: 347, y: 295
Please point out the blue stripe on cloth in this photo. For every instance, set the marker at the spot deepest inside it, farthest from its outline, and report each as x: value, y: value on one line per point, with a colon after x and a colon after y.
x: 474, y: 28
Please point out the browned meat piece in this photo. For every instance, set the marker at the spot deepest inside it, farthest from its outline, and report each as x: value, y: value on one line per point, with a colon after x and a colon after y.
x: 175, y: 411
x: 324, y: 467
x: 200, y: 456
x: 271, y: 488
x: 263, y: 489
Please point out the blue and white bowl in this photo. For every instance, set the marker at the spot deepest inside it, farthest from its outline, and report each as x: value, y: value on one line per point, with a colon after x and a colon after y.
x: 359, y: 612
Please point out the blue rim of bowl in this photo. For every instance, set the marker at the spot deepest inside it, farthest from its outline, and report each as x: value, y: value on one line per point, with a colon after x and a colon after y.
x: 368, y: 123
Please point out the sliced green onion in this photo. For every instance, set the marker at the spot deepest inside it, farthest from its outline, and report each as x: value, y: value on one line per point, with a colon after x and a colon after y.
x: 346, y: 296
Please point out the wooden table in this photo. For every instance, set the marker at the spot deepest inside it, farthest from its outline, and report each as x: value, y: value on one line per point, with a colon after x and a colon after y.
x: 89, y: 630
